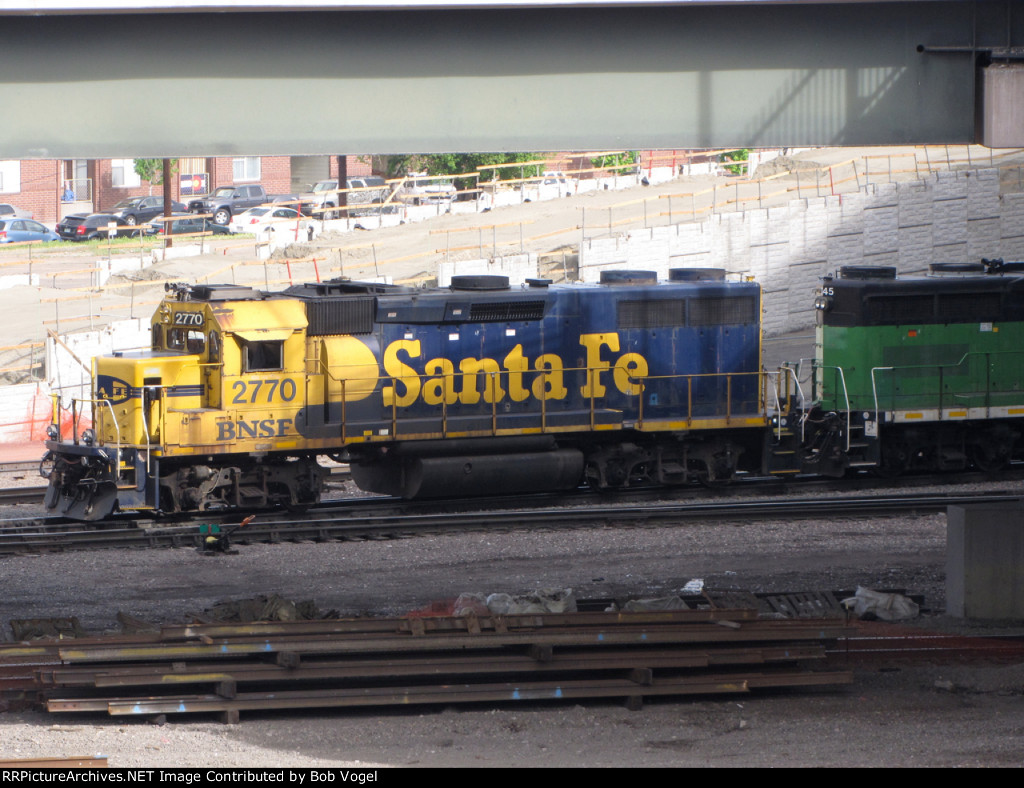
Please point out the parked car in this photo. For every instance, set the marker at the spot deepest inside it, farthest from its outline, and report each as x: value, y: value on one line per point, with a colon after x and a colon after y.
x: 8, y: 211
x: 14, y: 231
x: 268, y: 218
x: 77, y: 227
x: 186, y: 223
x: 556, y: 182
x: 229, y: 201
x: 421, y: 189
x: 323, y: 195
x: 136, y: 210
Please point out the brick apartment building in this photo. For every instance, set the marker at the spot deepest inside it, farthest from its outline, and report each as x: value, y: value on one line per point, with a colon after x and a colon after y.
x: 52, y: 189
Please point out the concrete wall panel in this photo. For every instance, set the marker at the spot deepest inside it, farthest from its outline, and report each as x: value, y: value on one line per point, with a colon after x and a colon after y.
x: 788, y: 250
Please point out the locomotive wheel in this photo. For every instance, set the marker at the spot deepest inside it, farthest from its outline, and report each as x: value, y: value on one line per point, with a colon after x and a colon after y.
x: 713, y: 483
x: 895, y: 460
x: 598, y: 481
x: 715, y: 477
x: 990, y: 457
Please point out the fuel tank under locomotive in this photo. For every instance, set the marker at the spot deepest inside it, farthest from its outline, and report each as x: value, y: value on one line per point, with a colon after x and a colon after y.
x: 467, y: 467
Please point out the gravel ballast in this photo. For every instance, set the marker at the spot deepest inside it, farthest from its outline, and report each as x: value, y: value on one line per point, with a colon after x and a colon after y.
x: 924, y: 715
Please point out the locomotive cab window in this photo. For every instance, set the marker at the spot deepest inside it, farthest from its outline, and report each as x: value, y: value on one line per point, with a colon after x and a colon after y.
x: 214, y: 346
x: 188, y: 339
x: 263, y: 356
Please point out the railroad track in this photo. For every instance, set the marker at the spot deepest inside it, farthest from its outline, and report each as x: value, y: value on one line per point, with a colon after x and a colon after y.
x: 17, y: 495
x: 744, y: 486
x: 877, y: 642
x: 377, y: 518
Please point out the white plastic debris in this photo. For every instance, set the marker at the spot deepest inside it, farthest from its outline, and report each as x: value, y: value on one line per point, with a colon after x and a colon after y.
x: 545, y: 600
x: 694, y: 586
x: 470, y: 605
x: 887, y: 607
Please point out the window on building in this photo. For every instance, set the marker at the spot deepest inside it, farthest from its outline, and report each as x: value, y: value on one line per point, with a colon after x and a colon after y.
x: 10, y: 176
x: 192, y: 177
x: 123, y: 175
x: 246, y: 168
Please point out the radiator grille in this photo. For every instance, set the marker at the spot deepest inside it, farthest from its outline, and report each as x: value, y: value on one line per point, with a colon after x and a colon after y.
x: 651, y: 314
x: 968, y: 307
x: 890, y: 310
x: 723, y: 311
x: 340, y: 316
x: 500, y: 311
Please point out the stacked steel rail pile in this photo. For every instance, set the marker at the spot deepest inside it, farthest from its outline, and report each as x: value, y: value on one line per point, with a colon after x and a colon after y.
x: 426, y: 660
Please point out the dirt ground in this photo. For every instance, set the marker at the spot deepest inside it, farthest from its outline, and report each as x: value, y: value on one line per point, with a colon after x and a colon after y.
x: 893, y: 715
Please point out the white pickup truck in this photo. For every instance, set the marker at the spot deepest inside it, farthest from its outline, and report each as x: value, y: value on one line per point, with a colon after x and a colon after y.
x: 418, y: 188
x: 322, y: 196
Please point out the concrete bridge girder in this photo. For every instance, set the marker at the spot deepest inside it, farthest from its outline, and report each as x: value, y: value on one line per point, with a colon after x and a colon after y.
x: 487, y: 79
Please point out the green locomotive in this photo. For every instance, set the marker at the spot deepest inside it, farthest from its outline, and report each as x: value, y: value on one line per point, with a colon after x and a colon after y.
x: 917, y: 373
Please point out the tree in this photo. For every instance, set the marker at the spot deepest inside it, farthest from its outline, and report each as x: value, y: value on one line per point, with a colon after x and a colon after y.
x: 743, y: 154
x: 458, y: 163
x: 614, y: 161
x: 152, y: 170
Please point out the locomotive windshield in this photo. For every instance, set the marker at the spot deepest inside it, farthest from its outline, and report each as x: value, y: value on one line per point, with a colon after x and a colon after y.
x: 190, y: 340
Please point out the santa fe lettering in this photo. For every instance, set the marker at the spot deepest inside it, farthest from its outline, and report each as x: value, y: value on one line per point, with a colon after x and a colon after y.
x: 440, y: 382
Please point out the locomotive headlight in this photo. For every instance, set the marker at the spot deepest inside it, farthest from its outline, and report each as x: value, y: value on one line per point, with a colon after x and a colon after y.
x: 89, y: 437
x: 52, y: 432
x: 823, y: 303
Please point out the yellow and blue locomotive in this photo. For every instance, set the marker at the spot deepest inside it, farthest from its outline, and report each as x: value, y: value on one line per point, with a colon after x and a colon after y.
x: 471, y: 389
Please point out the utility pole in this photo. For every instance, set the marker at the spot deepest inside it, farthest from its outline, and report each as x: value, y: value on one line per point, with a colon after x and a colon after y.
x: 343, y: 184
x: 168, y: 203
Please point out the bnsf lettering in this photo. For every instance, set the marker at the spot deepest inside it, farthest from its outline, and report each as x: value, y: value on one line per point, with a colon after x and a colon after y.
x: 188, y: 318
x: 491, y: 381
x: 252, y: 428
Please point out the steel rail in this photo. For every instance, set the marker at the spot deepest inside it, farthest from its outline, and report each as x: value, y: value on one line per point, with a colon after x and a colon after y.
x: 179, y: 674
x: 347, y: 663
x: 515, y: 691
x: 444, y: 659
x: 84, y: 762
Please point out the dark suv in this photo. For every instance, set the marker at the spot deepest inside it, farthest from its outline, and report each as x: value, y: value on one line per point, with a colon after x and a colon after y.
x: 227, y: 201
x: 137, y: 210
x: 85, y: 228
